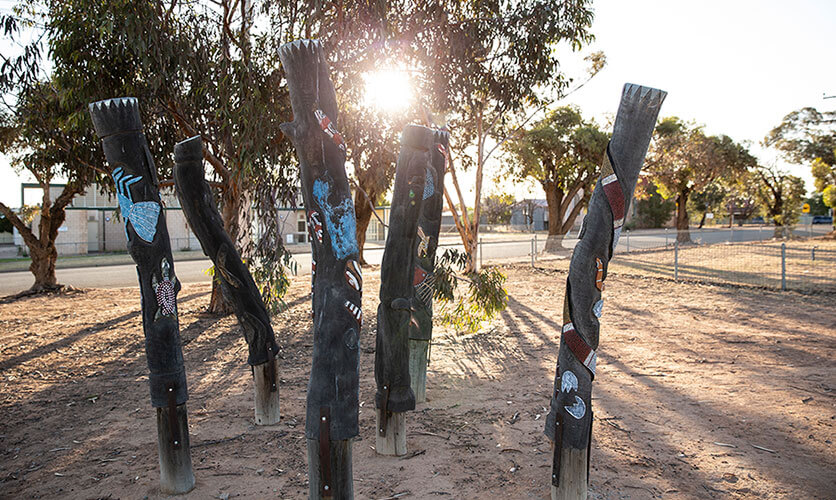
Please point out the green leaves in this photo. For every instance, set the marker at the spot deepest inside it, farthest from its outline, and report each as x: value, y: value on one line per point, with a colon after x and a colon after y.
x: 562, y: 149
x: 466, y: 310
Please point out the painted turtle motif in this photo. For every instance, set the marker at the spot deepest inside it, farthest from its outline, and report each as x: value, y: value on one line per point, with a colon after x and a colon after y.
x: 165, y: 291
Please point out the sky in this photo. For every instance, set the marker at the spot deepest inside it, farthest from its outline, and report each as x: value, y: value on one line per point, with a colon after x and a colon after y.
x: 736, y: 66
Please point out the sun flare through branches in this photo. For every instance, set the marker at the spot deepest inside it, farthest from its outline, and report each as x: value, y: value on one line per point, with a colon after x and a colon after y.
x: 389, y: 90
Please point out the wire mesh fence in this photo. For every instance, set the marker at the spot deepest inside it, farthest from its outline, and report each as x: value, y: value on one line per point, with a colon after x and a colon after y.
x: 749, y: 257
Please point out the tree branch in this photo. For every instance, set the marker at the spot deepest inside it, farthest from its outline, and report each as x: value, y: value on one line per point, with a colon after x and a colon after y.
x: 189, y: 130
x: 27, y: 234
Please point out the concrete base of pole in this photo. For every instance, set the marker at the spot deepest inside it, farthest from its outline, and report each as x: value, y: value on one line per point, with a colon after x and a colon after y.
x: 342, y: 486
x: 176, y: 476
x: 394, y: 441
x: 573, y: 476
x: 266, y: 396
x: 418, y: 351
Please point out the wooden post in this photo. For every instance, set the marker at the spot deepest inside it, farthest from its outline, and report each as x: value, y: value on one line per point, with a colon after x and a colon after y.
x: 391, y: 433
x: 569, y: 423
x: 398, y: 301
x: 118, y: 124
x: 419, y: 351
x: 176, y: 475
x: 332, y: 396
x: 235, y: 279
x: 429, y: 225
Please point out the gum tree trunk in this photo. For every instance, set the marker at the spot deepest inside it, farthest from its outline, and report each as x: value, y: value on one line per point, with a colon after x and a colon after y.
x: 364, y: 216
x: 429, y: 225
x: 232, y: 274
x: 118, y: 125
x: 398, y: 277
x: 42, y: 266
x: 332, y: 396
x: 569, y: 423
x: 683, y: 234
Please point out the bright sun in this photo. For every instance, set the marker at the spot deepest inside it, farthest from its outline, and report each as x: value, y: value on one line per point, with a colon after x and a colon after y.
x: 388, y: 90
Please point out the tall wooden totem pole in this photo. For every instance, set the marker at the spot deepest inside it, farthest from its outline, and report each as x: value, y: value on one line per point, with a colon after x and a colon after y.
x: 333, y: 399
x: 398, y: 301
x: 118, y: 125
x: 236, y: 282
x: 569, y: 423
x: 429, y: 225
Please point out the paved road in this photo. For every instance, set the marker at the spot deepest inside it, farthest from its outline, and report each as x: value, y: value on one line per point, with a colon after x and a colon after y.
x: 495, y: 247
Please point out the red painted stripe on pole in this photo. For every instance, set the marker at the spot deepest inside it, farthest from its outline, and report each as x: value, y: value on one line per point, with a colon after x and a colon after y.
x: 579, y: 347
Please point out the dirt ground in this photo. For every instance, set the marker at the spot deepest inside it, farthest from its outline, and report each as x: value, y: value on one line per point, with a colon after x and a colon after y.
x: 701, y: 392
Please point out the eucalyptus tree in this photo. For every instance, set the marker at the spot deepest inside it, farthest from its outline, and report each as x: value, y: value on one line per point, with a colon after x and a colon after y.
x: 782, y: 195
x: 683, y: 160
x: 809, y: 135
x: 38, y: 132
x: 201, y: 69
x: 485, y: 63
x: 562, y: 152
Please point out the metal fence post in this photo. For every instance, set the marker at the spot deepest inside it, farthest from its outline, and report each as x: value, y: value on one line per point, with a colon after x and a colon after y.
x: 676, y: 260
x: 666, y: 237
x: 628, y: 241
x: 783, y: 266
x: 532, y: 252
x: 535, y: 246
x: 813, y: 253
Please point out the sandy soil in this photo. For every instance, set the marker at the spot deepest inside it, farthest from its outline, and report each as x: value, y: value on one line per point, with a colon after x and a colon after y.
x: 702, y: 392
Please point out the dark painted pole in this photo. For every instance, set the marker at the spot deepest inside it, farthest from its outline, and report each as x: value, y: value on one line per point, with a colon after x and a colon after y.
x: 118, y: 125
x: 569, y: 423
x: 333, y: 399
x: 236, y: 282
x: 429, y: 225
x: 397, y: 293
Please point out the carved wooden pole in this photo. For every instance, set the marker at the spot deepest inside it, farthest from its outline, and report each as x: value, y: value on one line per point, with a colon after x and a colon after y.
x: 569, y: 423
x: 236, y: 282
x: 333, y: 399
x: 429, y: 225
x: 397, y: 294
x: 118, y: 125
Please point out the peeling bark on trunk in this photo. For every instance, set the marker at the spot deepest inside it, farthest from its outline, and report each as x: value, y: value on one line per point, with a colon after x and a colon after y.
x: 332, y: 396
x: 232, y: 274
x: 43, y: 266
x: 569, y: 423
x: 118, y: 125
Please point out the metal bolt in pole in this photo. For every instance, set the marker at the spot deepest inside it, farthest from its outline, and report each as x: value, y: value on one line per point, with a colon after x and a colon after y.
x: 783, y: 266
x: 676, y: 260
